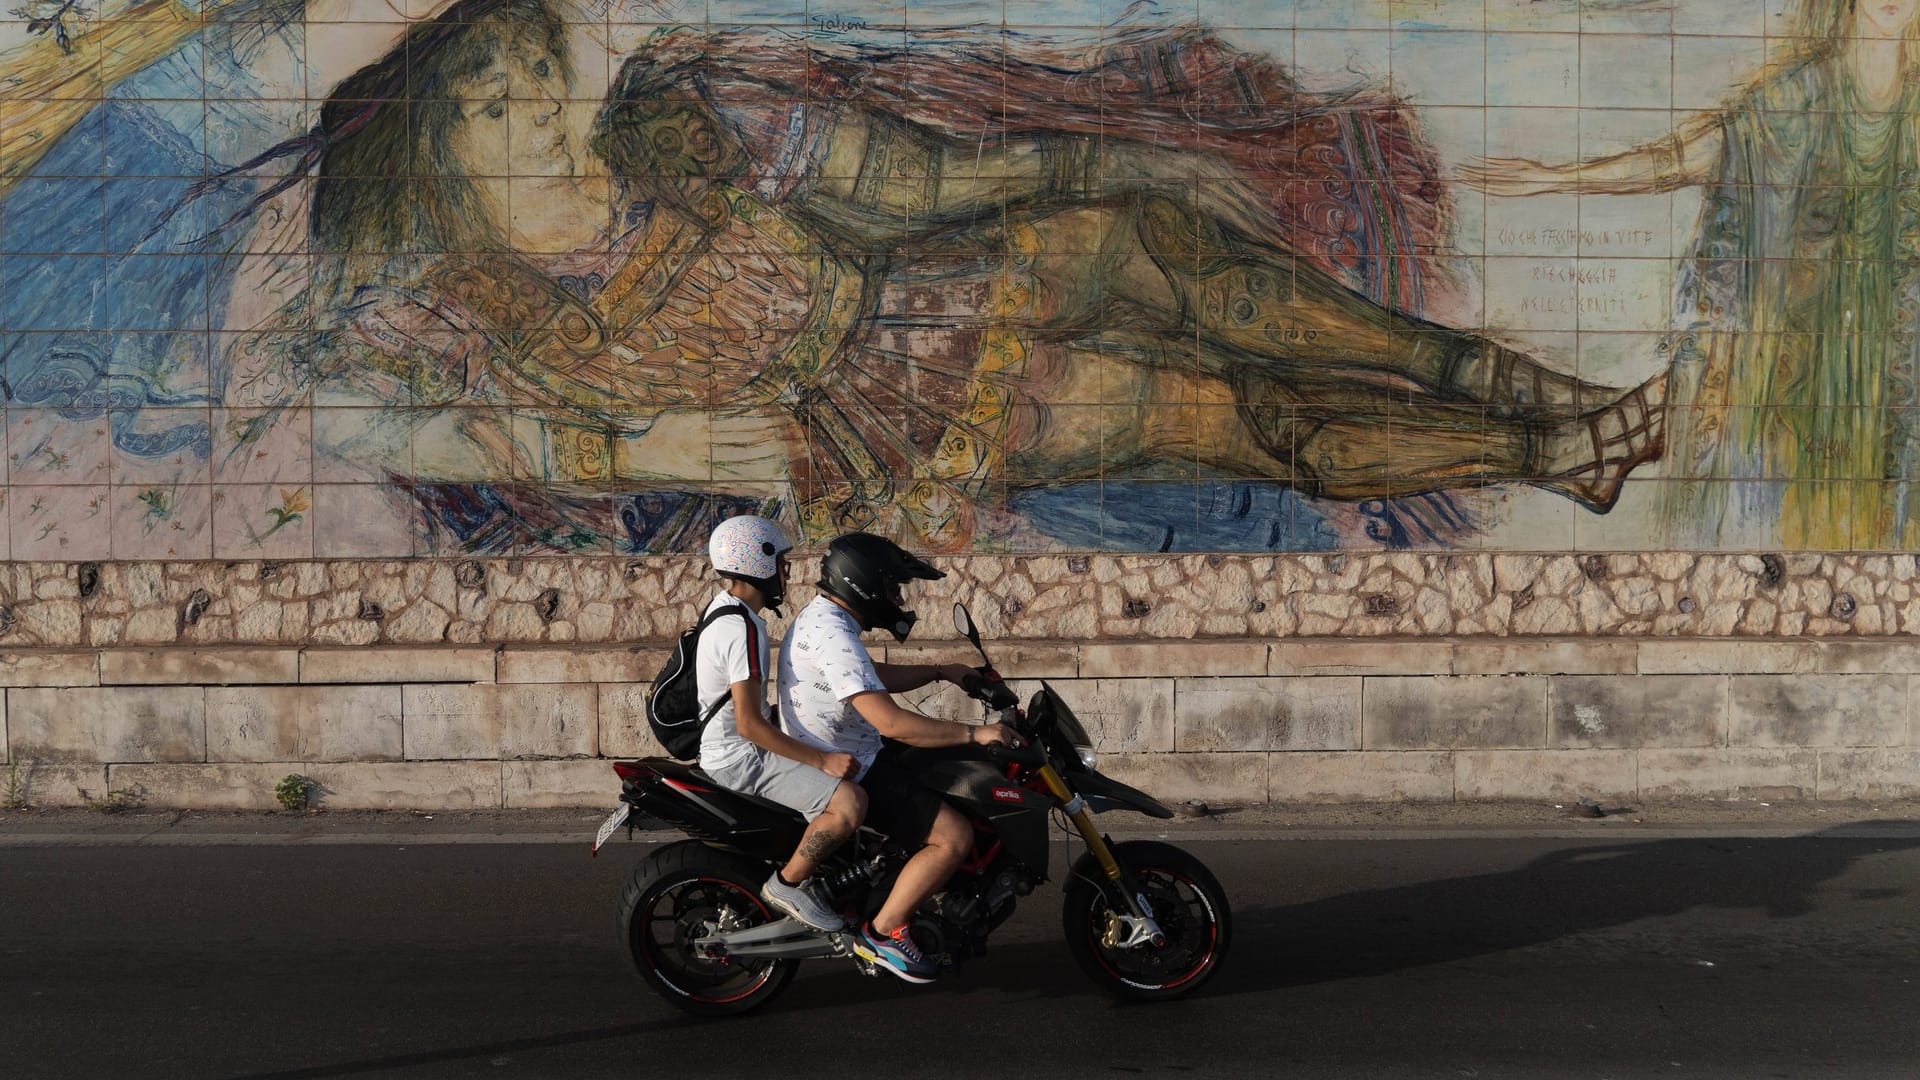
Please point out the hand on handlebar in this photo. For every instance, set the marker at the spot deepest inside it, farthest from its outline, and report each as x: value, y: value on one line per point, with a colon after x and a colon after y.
x: 996, y: 735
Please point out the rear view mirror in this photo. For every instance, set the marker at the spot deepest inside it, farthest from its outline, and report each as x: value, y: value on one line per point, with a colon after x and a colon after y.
x: 963, y: 622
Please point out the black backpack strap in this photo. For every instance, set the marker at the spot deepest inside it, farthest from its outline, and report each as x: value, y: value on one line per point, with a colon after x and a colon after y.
x: 731, y: 609
x: 712, y: 616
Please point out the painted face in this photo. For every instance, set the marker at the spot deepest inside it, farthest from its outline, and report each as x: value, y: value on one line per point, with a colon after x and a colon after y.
x: 515, y: 119
x: 1885, y: 18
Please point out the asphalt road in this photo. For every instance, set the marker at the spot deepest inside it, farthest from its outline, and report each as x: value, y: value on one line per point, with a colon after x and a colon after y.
x: 1384, y: 958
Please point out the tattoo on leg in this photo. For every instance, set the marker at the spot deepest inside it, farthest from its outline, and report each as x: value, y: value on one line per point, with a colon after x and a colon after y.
x: 820, y: 843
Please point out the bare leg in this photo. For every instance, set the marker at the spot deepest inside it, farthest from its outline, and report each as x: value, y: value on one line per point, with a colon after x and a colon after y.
x: 1331, y: 437
x: 1392, y: 446
x: 1174, y: 268
x: 930, y: 867
x: 844, y: 813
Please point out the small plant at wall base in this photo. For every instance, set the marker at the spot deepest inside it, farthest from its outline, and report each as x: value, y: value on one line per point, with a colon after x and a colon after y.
x: 293, y: 791
x: 16, y: 796
x: 116, y: 800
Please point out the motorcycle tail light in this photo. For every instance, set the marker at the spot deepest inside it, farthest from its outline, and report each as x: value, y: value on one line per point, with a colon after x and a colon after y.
x: 632, y: 770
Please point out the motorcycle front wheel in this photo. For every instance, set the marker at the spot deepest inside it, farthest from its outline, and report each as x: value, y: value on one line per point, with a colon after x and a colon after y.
x: 681, y: 894
x: 1187, y: 902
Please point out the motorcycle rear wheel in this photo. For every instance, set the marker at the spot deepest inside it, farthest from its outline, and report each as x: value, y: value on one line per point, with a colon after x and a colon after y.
x: 675, y: 895
x: 1187, y: 902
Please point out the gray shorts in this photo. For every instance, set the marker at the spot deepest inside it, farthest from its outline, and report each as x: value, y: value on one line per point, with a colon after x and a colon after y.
x: 782, y: 779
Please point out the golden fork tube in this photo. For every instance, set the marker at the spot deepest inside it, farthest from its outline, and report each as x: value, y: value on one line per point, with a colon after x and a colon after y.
x: 1083, y: 820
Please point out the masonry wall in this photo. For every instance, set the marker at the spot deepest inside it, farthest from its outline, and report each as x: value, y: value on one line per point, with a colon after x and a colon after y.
x: 203, y: 717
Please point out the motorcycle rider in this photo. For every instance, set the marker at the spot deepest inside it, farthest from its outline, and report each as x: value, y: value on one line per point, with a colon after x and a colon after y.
x: 741, y: 747
x: 836, y: 699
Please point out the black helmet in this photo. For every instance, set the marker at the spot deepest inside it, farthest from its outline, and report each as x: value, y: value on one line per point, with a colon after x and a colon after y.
x: 865, y: 572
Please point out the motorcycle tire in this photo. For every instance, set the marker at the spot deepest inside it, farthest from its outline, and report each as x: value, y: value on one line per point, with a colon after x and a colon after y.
x: 1187, y: 902
x: 675, y: 894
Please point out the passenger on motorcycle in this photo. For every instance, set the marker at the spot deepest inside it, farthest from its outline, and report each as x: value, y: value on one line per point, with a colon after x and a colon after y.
x: 741, y: 748
x: 835, y: 698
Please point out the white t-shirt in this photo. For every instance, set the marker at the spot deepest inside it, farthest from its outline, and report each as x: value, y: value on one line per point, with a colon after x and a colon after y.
x: 823, y: 664
x: 731, y: 650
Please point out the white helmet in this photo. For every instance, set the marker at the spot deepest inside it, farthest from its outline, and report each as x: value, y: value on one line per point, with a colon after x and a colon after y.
x: 749, y: 548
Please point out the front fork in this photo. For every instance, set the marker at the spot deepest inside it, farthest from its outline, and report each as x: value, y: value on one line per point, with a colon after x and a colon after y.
x: 1130, y: 930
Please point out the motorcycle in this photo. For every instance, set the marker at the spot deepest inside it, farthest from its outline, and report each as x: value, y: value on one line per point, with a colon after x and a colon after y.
x: 1145, y: 920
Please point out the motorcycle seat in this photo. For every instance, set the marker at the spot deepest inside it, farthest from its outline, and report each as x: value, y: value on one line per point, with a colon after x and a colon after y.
x: 699, y: 783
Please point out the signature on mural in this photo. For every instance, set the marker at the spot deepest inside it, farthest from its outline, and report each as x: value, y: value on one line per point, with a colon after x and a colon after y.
x: 835, y: 24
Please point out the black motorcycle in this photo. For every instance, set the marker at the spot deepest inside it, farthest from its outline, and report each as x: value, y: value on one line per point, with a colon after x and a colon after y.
x: 1144, y: 919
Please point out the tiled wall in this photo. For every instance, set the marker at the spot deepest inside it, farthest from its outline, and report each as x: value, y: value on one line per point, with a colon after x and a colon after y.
x: 370, y: 279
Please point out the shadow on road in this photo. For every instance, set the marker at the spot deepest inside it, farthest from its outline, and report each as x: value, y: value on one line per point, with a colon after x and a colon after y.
x: 1575, y: 890
x: 1578, y: 889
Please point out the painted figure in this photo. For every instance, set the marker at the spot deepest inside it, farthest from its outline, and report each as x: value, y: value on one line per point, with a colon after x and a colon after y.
x: 1795, y: 350
x: 820, y: 278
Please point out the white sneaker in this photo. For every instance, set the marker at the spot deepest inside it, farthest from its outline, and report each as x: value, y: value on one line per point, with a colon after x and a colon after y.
x: 803, y: 903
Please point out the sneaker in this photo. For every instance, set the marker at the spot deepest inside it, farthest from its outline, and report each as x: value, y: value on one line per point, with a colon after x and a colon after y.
x: 803, y: 903
x: 897, y: 953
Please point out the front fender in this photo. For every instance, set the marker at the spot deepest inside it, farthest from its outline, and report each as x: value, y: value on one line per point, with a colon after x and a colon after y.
x: 1104, y: 793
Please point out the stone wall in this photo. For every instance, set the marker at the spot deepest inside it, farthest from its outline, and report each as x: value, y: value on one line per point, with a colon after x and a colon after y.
x: 1226, y: 720
x: 1036, y: 597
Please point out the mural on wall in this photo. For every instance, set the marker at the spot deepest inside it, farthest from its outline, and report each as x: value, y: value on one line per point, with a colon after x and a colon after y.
x: 335, y: 278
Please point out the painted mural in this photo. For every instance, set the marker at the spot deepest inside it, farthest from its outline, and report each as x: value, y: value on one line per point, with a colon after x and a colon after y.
x: 349, y: 278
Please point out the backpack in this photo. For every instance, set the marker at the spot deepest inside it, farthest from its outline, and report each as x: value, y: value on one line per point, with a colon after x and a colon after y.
x: 673, y: 708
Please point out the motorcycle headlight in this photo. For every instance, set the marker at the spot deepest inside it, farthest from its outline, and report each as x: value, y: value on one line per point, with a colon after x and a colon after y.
x: 1087, y: 757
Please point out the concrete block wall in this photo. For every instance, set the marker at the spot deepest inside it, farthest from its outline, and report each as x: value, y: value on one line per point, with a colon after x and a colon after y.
x: 1226, y: 721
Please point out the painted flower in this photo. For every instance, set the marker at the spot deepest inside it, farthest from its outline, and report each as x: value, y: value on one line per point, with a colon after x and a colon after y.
x: 159, y: 508
x: 293, y: 505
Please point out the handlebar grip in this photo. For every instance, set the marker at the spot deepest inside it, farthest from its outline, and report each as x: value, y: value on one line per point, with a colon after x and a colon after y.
x: 1026, y: 755
x: 991, y: 691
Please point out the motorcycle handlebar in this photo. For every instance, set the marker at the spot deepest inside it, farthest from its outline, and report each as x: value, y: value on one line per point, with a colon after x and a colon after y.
x: 988, y: 688
x: 1026, y: 755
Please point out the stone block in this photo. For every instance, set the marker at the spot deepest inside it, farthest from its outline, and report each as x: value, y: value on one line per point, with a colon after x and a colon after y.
x: 408, y: 665
x: 83, y: 725
x: 500, y: 721
x: 304, y: 723
x: 50, y: 669
x: 623, y: 722
x: 1218, y: 779
x: 1122, y: 715
x: 207, y: 786
x: 1361, y: 776
x: 407, y: 785
x: 582, y: 664
x: 1637, y: 710
x: 449, y: 721
x: 1544, y: 774
x: 1266, y: 714
x: 1723, y: 657
x: 1869, y: 774
x: 44, y: 784
x: 1556, y: 657
x: 1454, y: 712
x: 539, y: 785
x: 1728, y: 773
x: 1419, y: 657
x: 1134, y: 659
x: 1013, y: 659
x: 1818, y: 710
x: 198, y: 667
x: 1883, y: 657
x: 945, y: 701
x: 549, y: 721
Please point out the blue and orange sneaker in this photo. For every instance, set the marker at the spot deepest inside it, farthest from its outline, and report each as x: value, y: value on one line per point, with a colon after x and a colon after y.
x: 897, y: 953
